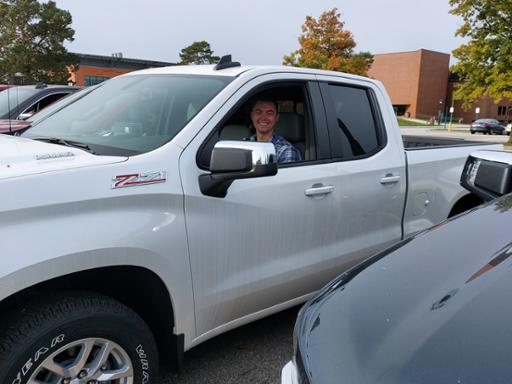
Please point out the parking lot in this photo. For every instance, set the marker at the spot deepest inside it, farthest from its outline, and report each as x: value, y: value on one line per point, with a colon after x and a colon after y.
x: 457, y: 132
x: 254, y: 353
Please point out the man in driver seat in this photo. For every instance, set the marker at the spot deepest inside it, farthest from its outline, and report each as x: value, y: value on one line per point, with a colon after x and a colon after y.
x: 264, y: 117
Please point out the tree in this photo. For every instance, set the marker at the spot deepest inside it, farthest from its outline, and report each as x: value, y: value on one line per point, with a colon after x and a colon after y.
x: 324, y: 44
x: 199, y: 52
x: 31, y: 41
x: 484, y: 64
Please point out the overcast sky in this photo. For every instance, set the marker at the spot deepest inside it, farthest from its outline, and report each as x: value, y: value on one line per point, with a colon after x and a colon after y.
x: 256, y: 32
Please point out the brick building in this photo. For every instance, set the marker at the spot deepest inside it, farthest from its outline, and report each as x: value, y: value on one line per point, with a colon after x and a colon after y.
x: 94, y: 69
x: 484, y: 107
x: 416, y: 81
x: 420, y: 86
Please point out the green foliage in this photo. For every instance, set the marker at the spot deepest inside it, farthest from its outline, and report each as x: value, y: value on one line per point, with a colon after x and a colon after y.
x: 31, y: 42
x: 199, y: 52
x: 485, y: 62
x: 324, y: 44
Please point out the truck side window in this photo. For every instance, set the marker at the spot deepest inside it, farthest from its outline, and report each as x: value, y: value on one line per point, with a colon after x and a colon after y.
x: 353, y: 124
x: 295, y: 122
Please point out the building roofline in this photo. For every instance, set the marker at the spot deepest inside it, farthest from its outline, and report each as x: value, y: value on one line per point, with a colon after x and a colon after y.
x: 415, y: 51
x: 124, y: 60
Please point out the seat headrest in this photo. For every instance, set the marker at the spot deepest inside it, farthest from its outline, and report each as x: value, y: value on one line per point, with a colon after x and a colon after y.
x: 235, y: 132
x: 291, y: 126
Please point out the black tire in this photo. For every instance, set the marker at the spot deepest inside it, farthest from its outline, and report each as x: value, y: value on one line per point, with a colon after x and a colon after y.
x: 57, y: 330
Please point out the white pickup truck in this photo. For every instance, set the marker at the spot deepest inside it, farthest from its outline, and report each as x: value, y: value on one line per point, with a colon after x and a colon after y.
x: 137, y: 220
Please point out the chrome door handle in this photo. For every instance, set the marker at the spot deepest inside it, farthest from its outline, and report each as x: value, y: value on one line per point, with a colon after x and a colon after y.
x: 390, y: 179
x: 321, y: 189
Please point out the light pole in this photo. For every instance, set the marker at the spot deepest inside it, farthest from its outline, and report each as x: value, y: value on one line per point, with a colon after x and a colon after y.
x: 451, y: 117
x: 440, y: 113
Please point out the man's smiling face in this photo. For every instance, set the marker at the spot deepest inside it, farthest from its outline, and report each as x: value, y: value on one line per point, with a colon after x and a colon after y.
x: 264, y: 117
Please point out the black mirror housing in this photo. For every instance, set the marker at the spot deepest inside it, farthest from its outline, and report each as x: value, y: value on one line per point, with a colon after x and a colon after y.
x: 230, y: 160
x: 488, y: 174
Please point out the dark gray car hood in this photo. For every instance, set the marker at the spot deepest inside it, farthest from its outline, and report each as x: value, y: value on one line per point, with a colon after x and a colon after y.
x: 437, y: 309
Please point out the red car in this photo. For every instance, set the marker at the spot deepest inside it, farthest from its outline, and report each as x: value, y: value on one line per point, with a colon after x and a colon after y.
x: 12, y: 126
x: 4, y: 86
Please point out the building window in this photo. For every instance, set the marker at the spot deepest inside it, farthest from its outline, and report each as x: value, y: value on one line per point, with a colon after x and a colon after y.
x: 502, y: 110
x: 93, y: 80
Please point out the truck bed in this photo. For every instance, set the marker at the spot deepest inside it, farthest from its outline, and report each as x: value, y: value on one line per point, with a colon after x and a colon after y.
x: 424, y: 142
x: 432, y: 165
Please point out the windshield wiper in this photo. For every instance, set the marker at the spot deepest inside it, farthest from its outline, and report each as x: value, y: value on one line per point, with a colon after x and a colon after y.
x: 67, y: 143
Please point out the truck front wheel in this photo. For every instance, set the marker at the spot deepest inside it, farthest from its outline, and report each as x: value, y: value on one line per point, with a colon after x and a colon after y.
x: 77, y: 338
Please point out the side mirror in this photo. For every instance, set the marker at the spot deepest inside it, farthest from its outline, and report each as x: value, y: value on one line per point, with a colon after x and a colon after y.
x: 488, y: 174
x: 232, y: 160
x: 25, y: 115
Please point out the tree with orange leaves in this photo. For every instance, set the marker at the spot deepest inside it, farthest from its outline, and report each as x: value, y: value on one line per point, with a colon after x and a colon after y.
x: 324, y: 44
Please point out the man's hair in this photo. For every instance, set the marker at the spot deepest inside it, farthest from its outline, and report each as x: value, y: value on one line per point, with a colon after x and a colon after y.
x: 265, y: 99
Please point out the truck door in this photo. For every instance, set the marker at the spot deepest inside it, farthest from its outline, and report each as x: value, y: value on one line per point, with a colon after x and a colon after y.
x: 273, y: 240
x: 367, y: 168
x: 263, y: 244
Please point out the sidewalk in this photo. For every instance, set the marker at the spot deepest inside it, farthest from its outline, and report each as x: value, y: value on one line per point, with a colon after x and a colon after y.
x: 454, y: 127
x: 443, y: 126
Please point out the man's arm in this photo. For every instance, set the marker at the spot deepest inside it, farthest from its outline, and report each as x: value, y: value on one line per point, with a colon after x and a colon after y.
x: 289, y: 154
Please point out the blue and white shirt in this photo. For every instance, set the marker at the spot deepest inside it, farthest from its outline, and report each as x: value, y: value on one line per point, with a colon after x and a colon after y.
x: 285, y: 152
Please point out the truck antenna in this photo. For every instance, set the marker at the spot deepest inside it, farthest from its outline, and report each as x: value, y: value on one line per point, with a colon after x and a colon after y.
x: 225, y: 62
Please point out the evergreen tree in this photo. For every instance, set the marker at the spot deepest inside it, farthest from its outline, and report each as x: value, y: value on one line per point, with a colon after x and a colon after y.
x: 31, y: 41
x: 199, y: 52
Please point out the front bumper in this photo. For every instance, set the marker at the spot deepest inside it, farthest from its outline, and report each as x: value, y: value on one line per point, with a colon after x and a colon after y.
x: 289, y: 374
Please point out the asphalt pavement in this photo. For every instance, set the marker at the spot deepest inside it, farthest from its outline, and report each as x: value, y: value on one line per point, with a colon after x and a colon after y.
x: 254, y: 353
x: 457, y: 132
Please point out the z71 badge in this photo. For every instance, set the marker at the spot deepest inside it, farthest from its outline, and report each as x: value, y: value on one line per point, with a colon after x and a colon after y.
x: 136, y: 179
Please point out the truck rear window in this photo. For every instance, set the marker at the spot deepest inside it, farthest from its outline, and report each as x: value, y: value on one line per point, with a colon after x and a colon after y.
x: 131, y: 114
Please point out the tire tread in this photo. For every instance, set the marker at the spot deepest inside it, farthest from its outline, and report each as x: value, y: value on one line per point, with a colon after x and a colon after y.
x: 19, y: 325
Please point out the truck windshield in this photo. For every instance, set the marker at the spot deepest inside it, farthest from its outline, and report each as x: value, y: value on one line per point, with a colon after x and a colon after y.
x: 12, y: 97
x: 130, y: 115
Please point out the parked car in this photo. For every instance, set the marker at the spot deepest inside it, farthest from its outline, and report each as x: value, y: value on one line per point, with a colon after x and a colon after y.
x: 4, y: 87
x: 16, y: 127
x: 508, y: 128
x: 435, y: 308
x: 23, y: 101
x: 138, y: 217
x: 487, y: 126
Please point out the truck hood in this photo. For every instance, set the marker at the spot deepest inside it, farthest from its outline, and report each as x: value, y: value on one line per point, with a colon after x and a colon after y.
x: 21, y: 157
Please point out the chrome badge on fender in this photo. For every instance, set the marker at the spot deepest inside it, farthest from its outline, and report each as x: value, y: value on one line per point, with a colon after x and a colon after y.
x: 136, y: 179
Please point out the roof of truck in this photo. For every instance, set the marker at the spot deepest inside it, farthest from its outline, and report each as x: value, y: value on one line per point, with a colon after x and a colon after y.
x: 237, y: 70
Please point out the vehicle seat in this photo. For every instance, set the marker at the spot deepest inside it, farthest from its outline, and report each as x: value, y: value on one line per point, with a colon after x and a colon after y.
x: 291, y: 127
x: 234, y: 132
